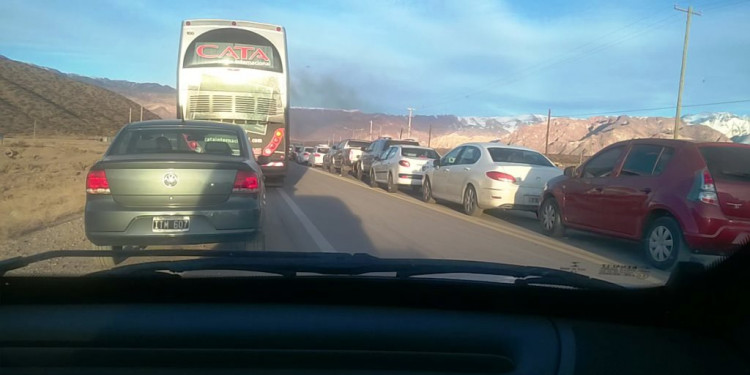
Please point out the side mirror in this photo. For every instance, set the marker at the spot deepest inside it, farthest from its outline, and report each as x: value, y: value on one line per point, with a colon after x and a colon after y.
x: 376, y: 158
x: 262, y: 159
x: 570, y: 171
x: 436, y: 163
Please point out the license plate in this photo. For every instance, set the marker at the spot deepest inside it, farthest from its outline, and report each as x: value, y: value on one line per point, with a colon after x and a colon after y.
x: 171, y: 224
x: 532, y: 199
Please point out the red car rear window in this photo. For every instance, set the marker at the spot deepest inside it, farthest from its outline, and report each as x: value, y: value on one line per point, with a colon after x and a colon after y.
x: 728, y: 163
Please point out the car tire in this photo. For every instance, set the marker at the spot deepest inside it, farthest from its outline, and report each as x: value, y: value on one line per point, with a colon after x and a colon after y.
x: 416, y: 188
x: 551, y: 218
x: 470, y: 204
x: 391, y: 187
x: 372, y: 181
x: 427, y: 191
x: 663, y: 243
x: 255, y: 243
x: 360, y: 175
x: 109, y: 262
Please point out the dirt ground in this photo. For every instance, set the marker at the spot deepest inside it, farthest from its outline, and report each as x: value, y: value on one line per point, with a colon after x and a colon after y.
x: 42, y: 181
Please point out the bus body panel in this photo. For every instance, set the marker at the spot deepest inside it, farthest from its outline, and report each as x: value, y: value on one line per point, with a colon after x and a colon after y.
x: 237, y: 72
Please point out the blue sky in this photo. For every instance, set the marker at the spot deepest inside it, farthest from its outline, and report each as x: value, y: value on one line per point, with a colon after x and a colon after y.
x: 478, y: 58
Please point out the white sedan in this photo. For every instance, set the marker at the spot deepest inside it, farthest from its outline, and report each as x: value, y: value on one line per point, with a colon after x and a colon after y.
x: 401, y: 165
x: 489, y: 175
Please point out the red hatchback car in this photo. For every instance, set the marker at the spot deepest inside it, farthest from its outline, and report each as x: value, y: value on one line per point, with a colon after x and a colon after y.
x: 674, y: 196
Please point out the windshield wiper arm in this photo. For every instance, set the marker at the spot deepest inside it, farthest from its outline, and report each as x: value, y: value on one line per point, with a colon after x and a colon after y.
x: 294, y: 263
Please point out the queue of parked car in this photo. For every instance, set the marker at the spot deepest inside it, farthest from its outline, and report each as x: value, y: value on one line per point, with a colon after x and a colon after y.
x: 673, y: 197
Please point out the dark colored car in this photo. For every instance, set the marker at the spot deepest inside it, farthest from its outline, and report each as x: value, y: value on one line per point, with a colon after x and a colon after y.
x: 674, y: 196
x: 347, y: 153
x: 169, y: 182
x: 374, y: 150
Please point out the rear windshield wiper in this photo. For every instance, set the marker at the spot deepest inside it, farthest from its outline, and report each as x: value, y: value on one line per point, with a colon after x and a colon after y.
x: 294, y: 263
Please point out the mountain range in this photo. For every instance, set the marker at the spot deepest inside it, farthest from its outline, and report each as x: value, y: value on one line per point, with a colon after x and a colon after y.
x: 567, y: 135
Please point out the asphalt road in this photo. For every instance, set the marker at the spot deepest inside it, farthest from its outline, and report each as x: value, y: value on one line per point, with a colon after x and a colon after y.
x: 315, y: 210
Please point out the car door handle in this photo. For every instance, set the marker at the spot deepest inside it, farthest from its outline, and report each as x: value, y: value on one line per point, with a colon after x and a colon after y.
x: 646, y: 190
x: 598, y: 189
x: 446, y: 170
x: 467, y: 168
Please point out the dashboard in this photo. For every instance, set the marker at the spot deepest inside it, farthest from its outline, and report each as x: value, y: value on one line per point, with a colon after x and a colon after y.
x: 363, y: 325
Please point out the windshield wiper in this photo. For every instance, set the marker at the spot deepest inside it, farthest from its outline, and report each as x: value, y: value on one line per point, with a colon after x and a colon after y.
x: 294, y: 263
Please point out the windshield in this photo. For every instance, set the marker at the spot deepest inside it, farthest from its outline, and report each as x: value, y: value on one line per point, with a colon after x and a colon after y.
x: 509, y: 155
x: 419, y: 153
x: 533, y: 135
x: 195, y: 141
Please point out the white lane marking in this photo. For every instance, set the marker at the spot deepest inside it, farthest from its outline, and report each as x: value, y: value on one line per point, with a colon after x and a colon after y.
x: 561, y: 247
x: 317, y: 237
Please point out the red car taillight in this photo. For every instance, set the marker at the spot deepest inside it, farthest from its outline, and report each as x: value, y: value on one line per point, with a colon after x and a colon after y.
x: 707, y: 193
x: 500, y: 176
x: 306, y: 154
x: 96, y: 182
x: 246, y: 182
x: 317, y: 155
x: 404, y: 163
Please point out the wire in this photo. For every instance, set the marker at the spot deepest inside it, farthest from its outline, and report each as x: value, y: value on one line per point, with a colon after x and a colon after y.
x: 655, y: 108
x: 568, y: 56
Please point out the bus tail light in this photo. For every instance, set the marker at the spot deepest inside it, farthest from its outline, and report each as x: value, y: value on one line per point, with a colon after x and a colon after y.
x: 278, y: 136
x: 404, y: 163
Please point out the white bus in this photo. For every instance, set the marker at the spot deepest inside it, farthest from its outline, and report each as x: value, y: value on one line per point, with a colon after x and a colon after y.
x: 237, y: 72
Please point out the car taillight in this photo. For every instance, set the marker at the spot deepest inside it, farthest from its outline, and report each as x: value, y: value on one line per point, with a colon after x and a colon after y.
x: 246, y: 182
x: 707, y: 192
x: 500, y: 176
x: 404, y: 163
x: 317, y: 155
x: 278, y: 135
x: 96, y: 182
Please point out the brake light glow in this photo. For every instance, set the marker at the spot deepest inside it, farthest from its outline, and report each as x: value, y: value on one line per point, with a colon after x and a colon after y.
x: 317, y: 155
x: 278, y: 136
x: 246, y: 182
x: 500, y: 176
x: 404, y: 163
x: 707, y: 192
x: 96, y: 182
x: 306, y: 154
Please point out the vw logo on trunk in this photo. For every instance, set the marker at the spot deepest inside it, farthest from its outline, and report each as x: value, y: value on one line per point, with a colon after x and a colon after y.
x: 169, y: 179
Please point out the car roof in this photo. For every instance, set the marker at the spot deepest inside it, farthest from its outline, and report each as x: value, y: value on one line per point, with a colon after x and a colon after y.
x: 497, y: 145
x: 179, y: 123
x: 413, y: 146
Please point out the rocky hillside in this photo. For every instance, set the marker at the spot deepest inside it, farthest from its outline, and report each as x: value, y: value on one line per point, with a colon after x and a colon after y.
x: 59, y: 105
x: 159, y: 99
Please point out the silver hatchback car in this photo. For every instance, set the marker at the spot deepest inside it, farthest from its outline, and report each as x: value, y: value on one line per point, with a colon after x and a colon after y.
x: 171, y: 182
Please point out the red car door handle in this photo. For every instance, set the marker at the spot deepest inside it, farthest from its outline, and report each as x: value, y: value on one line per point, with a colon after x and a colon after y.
x: 646, y: 190
x: 599, y: 189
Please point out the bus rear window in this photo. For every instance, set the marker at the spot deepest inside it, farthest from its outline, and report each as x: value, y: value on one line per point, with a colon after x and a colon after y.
x: 728, y: 163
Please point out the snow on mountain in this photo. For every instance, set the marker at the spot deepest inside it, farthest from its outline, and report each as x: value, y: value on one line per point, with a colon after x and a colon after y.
x: 508, y: 123
x: 729, y: 124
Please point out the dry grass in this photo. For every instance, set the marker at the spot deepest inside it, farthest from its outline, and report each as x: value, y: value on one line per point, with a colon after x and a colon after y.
x: 44, y: 182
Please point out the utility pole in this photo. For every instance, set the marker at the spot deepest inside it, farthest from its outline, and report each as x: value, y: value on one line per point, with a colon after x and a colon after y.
x: 546, y: 139
x: 408, y: 132
x: 34, y: 129
x: 429, y: 136
x: 380, y: 132
x: 677, y: 119
x: 130, y: 115
x: 371, y: 130
x: 141, y: 113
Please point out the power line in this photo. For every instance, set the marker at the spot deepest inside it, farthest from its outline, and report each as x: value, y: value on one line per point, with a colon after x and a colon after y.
x: 654, y: 108
x: 568, y: 56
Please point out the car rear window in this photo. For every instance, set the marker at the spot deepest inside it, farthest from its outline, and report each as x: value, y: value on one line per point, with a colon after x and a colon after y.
x: 322, y: 149
x: 728, y: 163
x: 357, y: 144
x: 401, y: 142
x: 411, y: 152
x: 182, y: 140
x: 510, y: 155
